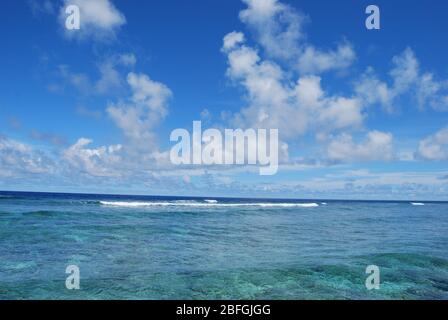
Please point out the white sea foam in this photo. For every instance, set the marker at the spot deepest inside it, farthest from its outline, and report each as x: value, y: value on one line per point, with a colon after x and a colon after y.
x: 138, y: 204
x: 417, y: 203
x: 211, y: 201
x: 199, y: 204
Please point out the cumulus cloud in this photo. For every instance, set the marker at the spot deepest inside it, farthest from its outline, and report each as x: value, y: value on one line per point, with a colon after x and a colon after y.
x: 110, y: 79
x: 281, y: 76
x: 313, y: 61
x: 372, y: 90
x: 376, y: 146
x: 127, y: 59
x: 137, y: 116
x: 405, y: 78
x: 434, y: 147
x: 405, y: 71
x: 17, y: 159
x: 277, y: 102
x: 340, y: 112
x: 100, y: 19
x: 404, y: 74
x: 142, y: 112
x: 279, y: 29
x: 231, y: 40
x: 97, y: 162
x: 432, y: 93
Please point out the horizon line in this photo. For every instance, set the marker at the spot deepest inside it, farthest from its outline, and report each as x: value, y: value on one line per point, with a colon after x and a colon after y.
x: 222, y: 197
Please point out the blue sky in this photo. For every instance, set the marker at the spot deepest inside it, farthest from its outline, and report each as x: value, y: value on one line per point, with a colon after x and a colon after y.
x: 361, y: 113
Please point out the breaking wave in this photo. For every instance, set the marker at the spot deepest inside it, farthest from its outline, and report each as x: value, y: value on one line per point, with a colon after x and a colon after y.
x: 417, y: 203
x: 207, y: 203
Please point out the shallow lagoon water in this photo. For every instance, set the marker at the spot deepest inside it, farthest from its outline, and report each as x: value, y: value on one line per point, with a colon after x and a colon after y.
x: 130, y: 247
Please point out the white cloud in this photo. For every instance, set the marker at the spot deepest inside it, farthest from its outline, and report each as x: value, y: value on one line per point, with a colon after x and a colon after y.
x: 363, y: 184
x: 97, y: 162
x: 435, y: 147
x: 432, y: 93
x: 127, y: 59
x: 278, y: 27
x: 280, y: 79
x: 405, y: 71
x: 342, y: 112
x: 376, y: 146
x: 404, y: 75
x: 100, y: 19
x: 17, y: 159
x: 147, y: 106
x: 315, y: 61
x: 405, y: 79
x: 231, y: 40
x: 277, y: 102
x: 372, y: 90
x: 110, y: 79
x: 149, y: 93
x: 137, y: 116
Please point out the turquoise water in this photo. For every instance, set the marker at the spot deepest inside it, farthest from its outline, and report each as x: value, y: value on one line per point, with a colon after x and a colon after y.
x: 172, y: 248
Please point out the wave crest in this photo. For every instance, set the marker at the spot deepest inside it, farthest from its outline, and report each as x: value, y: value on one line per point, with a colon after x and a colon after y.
x: 207, y: 204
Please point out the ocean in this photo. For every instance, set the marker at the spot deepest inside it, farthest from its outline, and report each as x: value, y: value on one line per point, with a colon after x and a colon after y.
x: 142, y: 247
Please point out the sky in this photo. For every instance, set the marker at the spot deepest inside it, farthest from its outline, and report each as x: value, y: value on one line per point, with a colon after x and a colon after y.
x: 361, y: 114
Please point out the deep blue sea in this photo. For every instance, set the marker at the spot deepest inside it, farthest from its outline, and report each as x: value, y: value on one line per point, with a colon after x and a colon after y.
x: 136, y: 247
